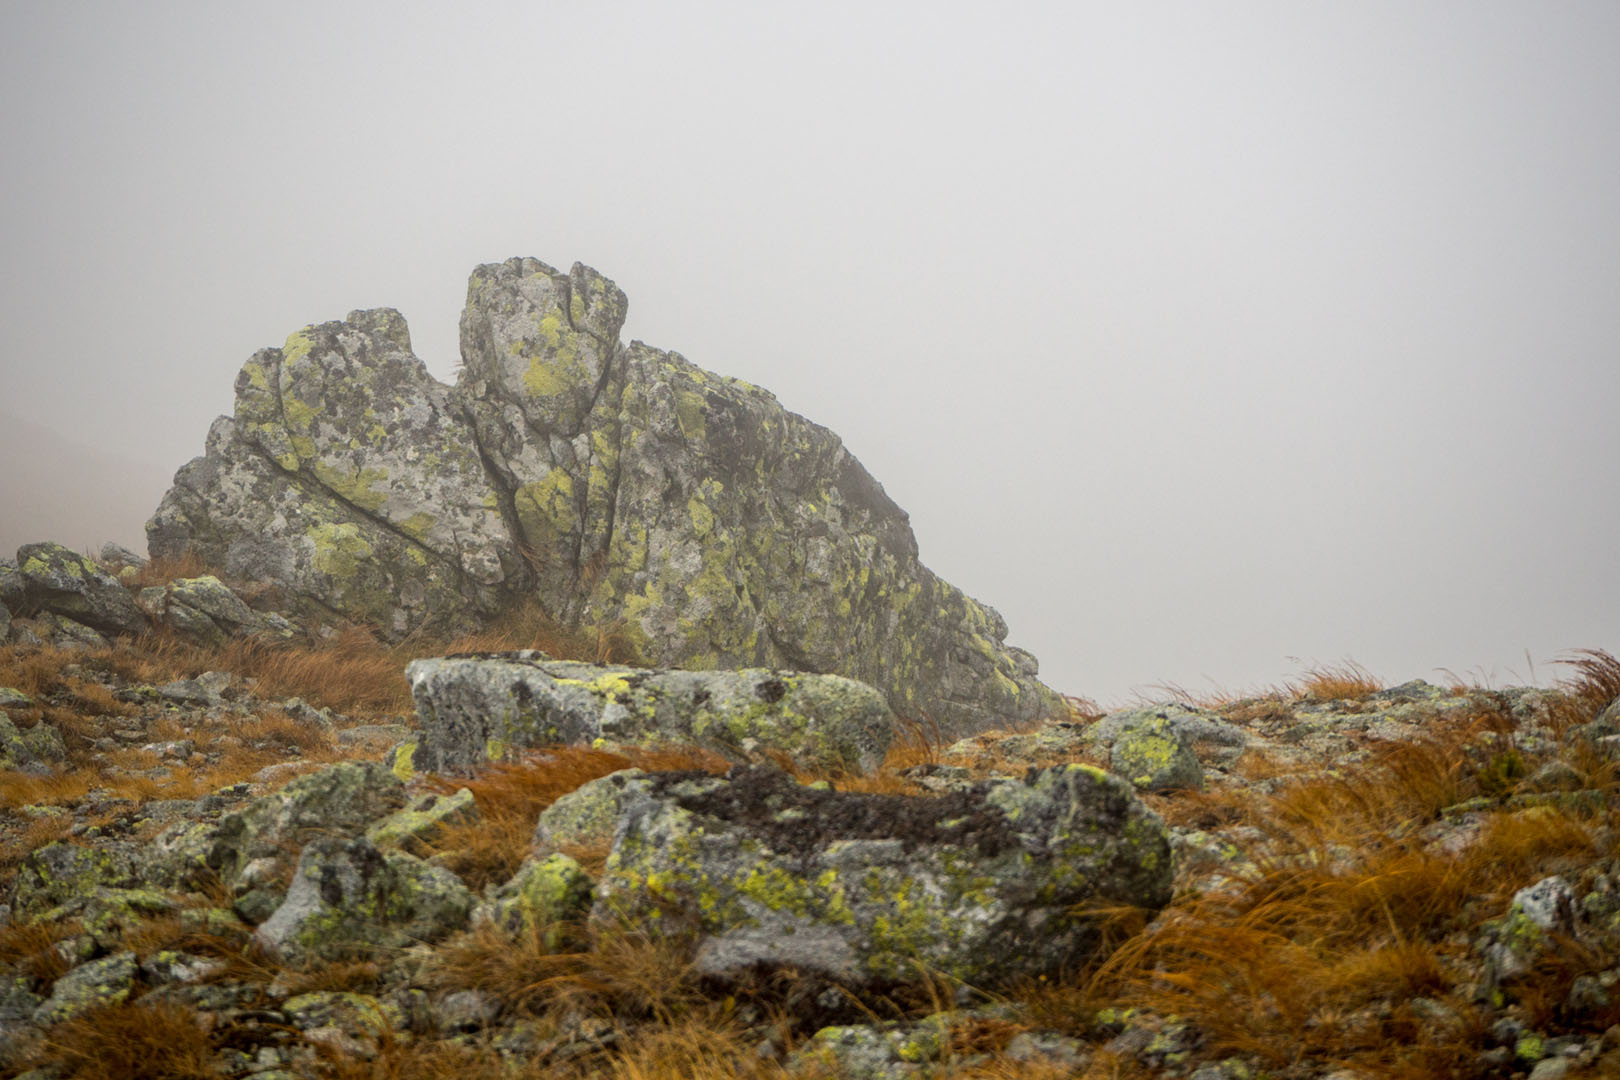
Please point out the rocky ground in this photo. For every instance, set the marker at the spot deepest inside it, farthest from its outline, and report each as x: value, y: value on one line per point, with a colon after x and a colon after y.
x: 214, y: 862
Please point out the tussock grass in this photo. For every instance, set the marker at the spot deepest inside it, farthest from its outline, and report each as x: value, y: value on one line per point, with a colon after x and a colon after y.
x: 1597, y: 678
x: 135, y: 1041
x: 1348, y: 681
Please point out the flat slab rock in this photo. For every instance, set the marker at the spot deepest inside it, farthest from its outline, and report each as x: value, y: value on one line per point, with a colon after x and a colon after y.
x: 475, y: 708
x: 756, y: 871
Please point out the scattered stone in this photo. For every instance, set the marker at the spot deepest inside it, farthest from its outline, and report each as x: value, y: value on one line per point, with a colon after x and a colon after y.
x: 31, y: 749
x: 473, y: 709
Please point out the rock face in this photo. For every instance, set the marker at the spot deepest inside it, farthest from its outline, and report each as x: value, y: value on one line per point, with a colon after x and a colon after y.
x: 473, y: 708
x: 861, y: 889
x: 619, y: 485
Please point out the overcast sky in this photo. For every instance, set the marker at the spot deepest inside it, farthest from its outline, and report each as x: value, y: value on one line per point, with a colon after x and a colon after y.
x: 1194, y: 337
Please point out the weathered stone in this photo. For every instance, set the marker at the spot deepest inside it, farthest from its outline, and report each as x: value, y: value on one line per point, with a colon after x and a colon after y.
x: 66, y: 633
x: 205, y: 610
x: 252, y: 848
x: 62, y: 582
x: 5, y: 623
x: 620, y: 486
x: 117, y: 555
x: 414, y: 828
x: 61, y: 874
x: 100, y: 982
x: 473, y: 709
x: 864, y: 888
x: 588, y: 816
x: 347, y: 897
x: 1151, y: 756
x: 549, y: 896
x: 29, y: 749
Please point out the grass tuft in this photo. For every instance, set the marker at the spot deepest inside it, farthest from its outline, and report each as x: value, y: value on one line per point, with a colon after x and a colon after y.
x: 139, y: 1041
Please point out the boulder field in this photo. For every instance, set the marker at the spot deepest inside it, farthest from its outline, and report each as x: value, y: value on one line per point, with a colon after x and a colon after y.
x: 621, y: 486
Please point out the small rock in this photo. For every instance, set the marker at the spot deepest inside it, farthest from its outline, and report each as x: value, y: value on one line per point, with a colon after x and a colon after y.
x: 1556, y: 776
x: 100, y: 982
x: 467, y: 1010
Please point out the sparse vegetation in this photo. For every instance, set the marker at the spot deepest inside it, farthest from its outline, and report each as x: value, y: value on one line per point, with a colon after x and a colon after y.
x: 1337, y: 926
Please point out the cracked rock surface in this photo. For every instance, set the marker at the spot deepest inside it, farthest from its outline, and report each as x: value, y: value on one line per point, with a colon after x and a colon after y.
x: 618, y: 485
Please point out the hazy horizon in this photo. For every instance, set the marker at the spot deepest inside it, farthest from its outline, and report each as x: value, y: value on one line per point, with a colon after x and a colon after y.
x: 1193, y: 339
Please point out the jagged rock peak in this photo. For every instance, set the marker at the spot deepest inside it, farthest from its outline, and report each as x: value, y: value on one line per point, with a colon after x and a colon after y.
x: 618, y: 485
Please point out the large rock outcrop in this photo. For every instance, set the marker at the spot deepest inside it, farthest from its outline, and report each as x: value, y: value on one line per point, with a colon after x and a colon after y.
x: 619, y: 485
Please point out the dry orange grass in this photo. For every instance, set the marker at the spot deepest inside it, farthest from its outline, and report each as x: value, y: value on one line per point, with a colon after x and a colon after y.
x: 1597, y: 678
x: 29, y: 947
x: 163, y: 571
x: 137, y: 1041
x: 1319, y: 953
x: 527, y: 626
x: 510, y: 796
x: 1348, y: 681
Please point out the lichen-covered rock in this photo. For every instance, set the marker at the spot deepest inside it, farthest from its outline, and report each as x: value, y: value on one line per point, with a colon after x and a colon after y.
x: 101, y: 982
x: 588, y: 816
x: 617, y: 485
x: 549, y: 896
x: 473, y: 709
x: 5, y: 622
x: 1538, y: 912
x: 205, y: 610
x: 62, y: 582
x: 871, y: 889
x: 62, y: 874
x: 252, y: 849
x: 349, y: 478
x: 29, y: 749
x: 349, y: 898
x: 1187, y: 724
x: 414, y: 828
x: 1153, y: 758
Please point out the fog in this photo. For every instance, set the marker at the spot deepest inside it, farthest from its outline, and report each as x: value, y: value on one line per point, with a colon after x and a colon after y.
x: 1205, y: 342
